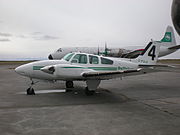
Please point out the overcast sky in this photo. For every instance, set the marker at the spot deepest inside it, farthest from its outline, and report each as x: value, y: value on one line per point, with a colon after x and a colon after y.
x: 35, y: 28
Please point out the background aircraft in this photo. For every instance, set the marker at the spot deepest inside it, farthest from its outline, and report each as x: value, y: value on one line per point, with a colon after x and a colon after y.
x: 168, y: 46
x: 90, y: 68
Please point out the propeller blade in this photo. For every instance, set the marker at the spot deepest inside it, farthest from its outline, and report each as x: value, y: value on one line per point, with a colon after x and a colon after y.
x: 48, y: 69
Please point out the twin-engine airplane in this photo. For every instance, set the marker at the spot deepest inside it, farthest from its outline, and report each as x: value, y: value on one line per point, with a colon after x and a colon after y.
x: 90, y: 68
x: 168, y: 46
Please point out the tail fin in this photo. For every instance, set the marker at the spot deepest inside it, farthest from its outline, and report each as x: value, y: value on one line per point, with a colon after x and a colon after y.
x: 169, y: 38
x: 150, y: 54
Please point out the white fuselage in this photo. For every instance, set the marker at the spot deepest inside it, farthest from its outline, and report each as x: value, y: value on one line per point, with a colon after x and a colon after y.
x: 67, y: 70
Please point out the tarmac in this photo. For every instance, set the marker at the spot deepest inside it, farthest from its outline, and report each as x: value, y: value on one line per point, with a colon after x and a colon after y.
x: 138, y: 105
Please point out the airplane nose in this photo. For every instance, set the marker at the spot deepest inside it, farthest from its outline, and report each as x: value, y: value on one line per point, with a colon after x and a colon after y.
x: 20, y: 70
x: 50, y: 57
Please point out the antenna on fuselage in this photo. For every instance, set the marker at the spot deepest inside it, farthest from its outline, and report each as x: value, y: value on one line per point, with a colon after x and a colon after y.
x: 98, y: 50
x: 106, y: 50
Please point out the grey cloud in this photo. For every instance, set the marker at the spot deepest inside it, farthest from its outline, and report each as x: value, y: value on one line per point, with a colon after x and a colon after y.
x: 40, y: 36
x: 36, y: 33
x: 45, y: 37
x: 22, y: 36
x: 5, y: 34
x: 4, y: 40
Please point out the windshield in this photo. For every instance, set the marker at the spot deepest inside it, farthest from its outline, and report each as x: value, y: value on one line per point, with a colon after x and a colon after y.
x: 68, y: 56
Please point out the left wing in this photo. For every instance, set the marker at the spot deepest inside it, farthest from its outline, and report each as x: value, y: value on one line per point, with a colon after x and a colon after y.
x: 108, y: 74
x: 143, y: 69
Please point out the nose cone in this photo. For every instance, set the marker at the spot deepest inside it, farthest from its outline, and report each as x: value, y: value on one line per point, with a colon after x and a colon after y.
x: 20, y: 70
x: 50, y: 57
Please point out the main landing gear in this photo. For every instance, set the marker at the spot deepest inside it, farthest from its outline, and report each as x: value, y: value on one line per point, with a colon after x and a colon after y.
x: 91, y: 87
x: 89, y: 92
x: 69, y: 85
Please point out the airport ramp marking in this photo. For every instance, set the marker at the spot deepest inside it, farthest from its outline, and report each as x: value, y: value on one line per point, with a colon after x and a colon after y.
x: 46, y: 91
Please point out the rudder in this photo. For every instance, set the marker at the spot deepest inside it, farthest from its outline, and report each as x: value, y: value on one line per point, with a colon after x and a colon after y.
x: 169, y: 37
x: 150, y: 54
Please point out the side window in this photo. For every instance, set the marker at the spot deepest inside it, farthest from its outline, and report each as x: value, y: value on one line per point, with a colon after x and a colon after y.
x: 93, y: 59
x: 80, y: 58
x: 106, y: 61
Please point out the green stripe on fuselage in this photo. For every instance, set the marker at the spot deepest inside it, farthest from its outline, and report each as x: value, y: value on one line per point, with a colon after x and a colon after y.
x: 94, y: 68
x: 73, y: 67
x: 102, y: 68
x: 37, y: 67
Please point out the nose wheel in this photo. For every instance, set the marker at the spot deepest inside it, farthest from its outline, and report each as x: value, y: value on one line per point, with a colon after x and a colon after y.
x: 30, y: 91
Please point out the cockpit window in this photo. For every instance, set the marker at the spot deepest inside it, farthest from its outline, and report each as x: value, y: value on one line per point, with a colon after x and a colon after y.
x: 59, y: 50
x: 106, y: 61
x: 68, y: 56
x: 93, y: 59
x: 80, y: 58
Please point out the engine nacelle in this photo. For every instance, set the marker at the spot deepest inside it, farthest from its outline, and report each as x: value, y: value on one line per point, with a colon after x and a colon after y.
x: 68, y: 71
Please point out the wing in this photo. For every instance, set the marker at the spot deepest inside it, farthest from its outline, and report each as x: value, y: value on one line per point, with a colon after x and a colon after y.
x: 133, y: 54
x: 159, y: 68
x: 143, y: 69
x: 109, y: 75
x: 175, y: 47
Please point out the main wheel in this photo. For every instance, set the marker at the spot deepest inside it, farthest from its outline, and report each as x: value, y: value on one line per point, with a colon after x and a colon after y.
x: 89, y: 92
x: 69, y: 84
x: 30, y: 91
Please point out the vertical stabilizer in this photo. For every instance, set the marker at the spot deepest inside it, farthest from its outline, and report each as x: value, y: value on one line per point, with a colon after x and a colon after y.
x: 150, y: 54
x: 169, y: 37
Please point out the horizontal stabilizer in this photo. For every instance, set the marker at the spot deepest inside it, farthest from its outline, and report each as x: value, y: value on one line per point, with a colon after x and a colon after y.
x: 175, y: 47
x: 158, y: 67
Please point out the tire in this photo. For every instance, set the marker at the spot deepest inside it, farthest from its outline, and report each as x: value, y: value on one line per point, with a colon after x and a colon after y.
x: 30, y: 91
x: 89, y: 92
x: 69, y: 84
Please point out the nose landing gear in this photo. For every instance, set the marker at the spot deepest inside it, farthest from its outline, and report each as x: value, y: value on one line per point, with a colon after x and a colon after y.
x: 30, y: 90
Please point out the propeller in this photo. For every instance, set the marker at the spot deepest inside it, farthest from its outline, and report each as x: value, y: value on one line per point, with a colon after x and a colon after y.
x: 52, y: 69
x: 48, y: 69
